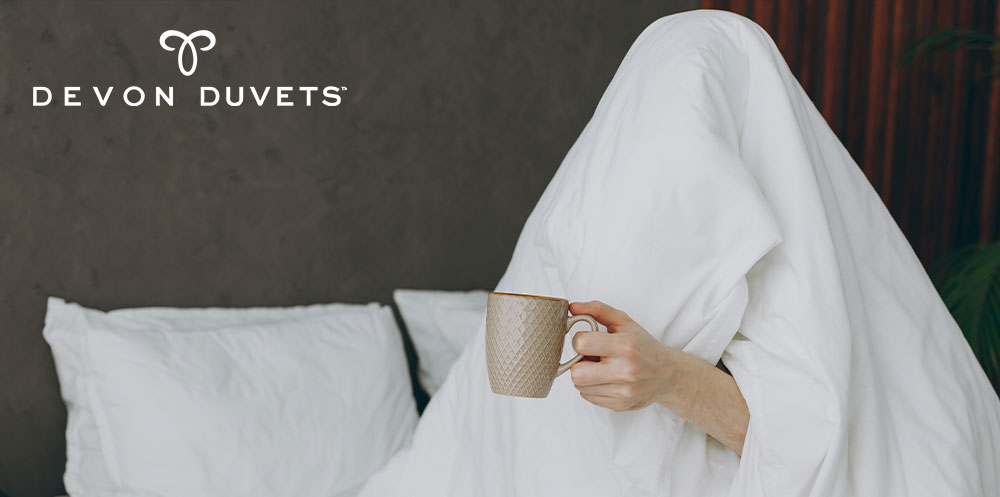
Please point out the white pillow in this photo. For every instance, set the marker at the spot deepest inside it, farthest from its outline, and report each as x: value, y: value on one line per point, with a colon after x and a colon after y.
x: 190, y: 402
x: 440, y: 324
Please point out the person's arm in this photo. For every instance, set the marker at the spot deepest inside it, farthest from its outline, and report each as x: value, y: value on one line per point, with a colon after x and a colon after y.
x: 636, y: 370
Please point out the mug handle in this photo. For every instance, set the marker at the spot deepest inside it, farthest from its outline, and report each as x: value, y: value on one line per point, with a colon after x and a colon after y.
x: 569, y: 324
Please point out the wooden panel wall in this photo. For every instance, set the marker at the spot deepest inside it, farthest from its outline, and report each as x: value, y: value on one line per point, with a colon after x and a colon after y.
x: 926, y: 133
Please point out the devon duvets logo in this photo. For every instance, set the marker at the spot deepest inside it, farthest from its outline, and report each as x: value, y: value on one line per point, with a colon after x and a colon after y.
x: 187, y: 46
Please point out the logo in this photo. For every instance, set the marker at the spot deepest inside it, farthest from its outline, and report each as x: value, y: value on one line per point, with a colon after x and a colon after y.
x: 187, y: 44
x: 187, y: 49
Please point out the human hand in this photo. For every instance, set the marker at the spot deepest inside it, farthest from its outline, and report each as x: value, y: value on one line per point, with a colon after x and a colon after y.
x: 634, y: 369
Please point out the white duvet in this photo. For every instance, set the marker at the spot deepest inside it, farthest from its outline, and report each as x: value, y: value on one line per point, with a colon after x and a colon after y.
x: 708, y: 199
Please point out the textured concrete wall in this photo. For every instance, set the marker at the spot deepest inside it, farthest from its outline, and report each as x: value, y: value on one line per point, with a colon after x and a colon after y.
x: 455, y: 117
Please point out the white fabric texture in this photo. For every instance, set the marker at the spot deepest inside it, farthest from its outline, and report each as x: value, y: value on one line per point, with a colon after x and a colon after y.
x: 709, y: 199
x: 441, y: 324
x: 259, y: 401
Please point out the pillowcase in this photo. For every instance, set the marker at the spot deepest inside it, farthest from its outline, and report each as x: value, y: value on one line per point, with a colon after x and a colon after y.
x: 440, y: 324
x: 197, y: 402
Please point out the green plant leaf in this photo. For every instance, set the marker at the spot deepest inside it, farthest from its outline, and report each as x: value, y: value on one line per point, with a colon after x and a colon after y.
x: 952, y: 39
x: 968, y: 280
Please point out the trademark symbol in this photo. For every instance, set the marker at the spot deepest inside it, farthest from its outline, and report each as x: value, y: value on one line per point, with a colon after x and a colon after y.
x: 343, y: 88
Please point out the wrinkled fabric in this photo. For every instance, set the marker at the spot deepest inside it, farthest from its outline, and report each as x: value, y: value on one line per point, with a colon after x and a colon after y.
x: 709, y: 199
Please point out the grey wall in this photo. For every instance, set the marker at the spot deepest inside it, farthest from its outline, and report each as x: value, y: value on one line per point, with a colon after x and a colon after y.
x: 456, y: 115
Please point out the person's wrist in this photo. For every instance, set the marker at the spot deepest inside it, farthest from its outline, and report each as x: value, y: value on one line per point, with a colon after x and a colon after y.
x: 672, y: 361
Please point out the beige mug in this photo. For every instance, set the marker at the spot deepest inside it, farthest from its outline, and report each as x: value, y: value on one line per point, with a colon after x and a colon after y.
x: 524, y: 341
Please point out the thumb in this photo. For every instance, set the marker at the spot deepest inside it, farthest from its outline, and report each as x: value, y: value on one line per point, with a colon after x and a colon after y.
x: 605, y: 314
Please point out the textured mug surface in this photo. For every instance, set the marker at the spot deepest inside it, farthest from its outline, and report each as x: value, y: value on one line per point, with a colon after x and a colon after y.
x: 524, y: 341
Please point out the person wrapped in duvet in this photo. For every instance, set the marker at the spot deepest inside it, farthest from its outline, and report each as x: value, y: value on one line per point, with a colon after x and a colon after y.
x: 707, y: 212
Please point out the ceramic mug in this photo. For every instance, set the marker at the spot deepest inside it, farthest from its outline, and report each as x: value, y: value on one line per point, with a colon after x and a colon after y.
x: 524, y: 341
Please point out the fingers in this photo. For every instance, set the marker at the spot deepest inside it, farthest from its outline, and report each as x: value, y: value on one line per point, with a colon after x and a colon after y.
x: 615, y: 404
x: 607, y: 390
x: 596, y: 343
x: 603, y: 313
x: 586, y: 373
x: 596, y: 384
x: 601, y: 400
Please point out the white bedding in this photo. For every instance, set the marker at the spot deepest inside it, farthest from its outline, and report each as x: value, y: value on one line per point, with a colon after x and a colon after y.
x: 440, y: 323
x: 213, y: 402
x: 708, y: 199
